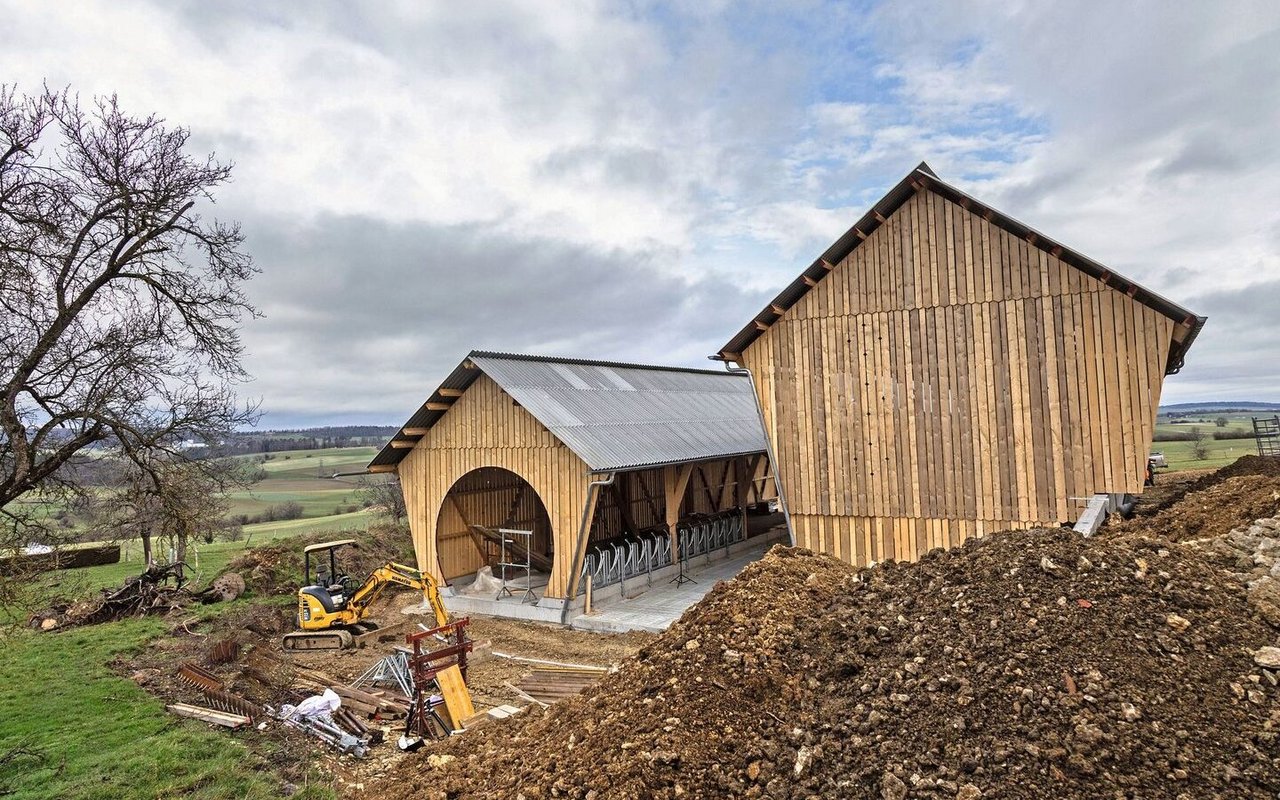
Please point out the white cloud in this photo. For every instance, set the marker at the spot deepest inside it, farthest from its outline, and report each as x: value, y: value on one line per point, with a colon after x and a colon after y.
x: 670, y: 151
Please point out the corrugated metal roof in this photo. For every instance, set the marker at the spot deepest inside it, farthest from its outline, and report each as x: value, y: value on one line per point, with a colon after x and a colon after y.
x: 615, y: 416
x: 1187, y: 325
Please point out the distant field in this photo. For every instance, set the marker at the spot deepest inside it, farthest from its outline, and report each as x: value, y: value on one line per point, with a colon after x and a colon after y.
x: 1221, y: 451
x: 307, y: 463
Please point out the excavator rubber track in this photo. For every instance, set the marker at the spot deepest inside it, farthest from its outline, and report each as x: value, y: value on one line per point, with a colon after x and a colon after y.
x: 333, y: 639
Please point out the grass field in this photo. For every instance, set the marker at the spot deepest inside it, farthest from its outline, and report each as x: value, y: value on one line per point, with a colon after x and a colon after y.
x: 97, y: 735
x: 207, y: 559
x: 1220, y: 451
x: 303, y: 476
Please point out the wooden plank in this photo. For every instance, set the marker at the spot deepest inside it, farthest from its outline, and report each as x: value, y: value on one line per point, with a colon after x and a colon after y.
x: 457, y: 700
x: 209, y: 715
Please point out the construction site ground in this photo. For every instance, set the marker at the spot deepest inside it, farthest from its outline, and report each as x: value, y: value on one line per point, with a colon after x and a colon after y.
x: 301, y: 760
x: 1024, y: 665
x: 1029, y: 664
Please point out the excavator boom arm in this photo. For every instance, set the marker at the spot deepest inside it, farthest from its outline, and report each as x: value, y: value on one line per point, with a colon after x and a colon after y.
x: 401, y: 575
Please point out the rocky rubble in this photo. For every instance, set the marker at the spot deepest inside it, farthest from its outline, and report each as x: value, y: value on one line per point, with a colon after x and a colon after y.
x: 1252, y: 555
x: 1025, y: 665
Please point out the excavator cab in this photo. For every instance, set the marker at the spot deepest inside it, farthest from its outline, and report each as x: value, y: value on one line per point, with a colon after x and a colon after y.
x: 326, y: 590
x: 333, y: 608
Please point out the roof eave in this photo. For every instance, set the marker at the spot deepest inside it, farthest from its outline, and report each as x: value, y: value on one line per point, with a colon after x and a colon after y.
x: 656, y: 464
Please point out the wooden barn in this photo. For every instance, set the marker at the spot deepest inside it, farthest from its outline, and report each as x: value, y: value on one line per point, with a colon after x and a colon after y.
x: 944, y: 371
x: 606, y: 465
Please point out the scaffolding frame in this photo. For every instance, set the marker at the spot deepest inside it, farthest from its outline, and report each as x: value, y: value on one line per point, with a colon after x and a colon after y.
x: 505, y: 564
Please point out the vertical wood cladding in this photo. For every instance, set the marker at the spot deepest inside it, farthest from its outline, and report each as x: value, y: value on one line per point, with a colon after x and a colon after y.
x: 948, y: 379
x: 484, y: 428
x: 488, y: 462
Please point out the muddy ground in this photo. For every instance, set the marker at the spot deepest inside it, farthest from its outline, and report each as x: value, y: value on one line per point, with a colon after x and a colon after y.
x: 299, y: 759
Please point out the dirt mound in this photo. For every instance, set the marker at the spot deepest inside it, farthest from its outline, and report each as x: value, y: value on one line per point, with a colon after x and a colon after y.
x: 1023, y: 665
x: 1243, y: 466
x: 277, y: 568
x: 1220, y: 506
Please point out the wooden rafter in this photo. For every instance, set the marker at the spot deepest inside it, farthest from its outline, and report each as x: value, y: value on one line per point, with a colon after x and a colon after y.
x: 476, y: 538
x: 706, y: 485
x: 510, y: 518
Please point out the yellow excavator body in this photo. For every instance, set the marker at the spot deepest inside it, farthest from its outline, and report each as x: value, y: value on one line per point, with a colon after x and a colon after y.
x: 333, y: 609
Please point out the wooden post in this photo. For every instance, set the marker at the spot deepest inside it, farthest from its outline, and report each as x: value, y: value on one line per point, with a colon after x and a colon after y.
x: 675, y: 480
x: 580, y: 550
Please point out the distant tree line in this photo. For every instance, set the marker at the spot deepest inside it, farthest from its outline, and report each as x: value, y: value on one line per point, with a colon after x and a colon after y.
x: 308, y: 439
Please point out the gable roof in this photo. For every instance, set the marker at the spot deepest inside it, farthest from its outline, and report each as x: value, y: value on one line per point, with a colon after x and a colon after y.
x: 1186, y: 324
x: 613, y: 416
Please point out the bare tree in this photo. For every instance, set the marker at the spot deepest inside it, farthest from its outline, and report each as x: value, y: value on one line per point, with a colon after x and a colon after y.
x: 172, y: 501
x: 119, y: 303
x: 1199, y: 444
x: 385, y: 498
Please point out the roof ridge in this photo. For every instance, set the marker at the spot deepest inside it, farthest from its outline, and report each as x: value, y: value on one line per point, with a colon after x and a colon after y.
x: 922, y: 177
x: 587, y: 362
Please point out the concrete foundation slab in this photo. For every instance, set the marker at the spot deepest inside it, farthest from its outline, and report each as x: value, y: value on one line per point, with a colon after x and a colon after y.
x: 648, y: 603
x: 662, y: 604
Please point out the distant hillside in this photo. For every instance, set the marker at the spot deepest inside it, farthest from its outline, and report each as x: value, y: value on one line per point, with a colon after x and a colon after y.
x: 1223, y: 406
x: 310, y: 438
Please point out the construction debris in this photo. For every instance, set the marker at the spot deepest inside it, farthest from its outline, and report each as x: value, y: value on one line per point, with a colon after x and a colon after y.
x: 225, y: 588
x: 223, y: 652
x: 390, y: 672
x: 214, y: 692
x: 971, y: 673
x: 160, y: 589
x: 546, y: 685
x: 444, y: 668
x: 315, y: 715
x: 214, y: 716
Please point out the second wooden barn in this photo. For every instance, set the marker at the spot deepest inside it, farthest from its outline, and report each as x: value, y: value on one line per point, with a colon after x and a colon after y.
x: 613, y: 469
x: 943, y: 371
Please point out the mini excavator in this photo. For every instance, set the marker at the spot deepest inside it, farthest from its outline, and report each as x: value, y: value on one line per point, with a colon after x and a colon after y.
x: 332, y: 610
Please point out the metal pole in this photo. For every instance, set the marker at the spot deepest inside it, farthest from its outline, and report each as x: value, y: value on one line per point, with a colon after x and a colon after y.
x: 768, y: 444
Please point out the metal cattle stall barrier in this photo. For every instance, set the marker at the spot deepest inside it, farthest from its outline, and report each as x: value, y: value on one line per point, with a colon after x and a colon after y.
x: 630, y: 556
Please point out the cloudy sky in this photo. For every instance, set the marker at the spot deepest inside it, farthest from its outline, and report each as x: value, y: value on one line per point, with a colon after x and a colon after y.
x: 634, y: 181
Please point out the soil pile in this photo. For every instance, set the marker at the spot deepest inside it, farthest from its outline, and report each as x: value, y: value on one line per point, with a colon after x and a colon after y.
x: 1241, y: 467
x: 1025, y: 665
x: 1221, y: 504
x: 277, y: 568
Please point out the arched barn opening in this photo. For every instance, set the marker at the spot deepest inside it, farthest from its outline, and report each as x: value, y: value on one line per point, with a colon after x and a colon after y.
x: 625, y: 476
x: 475, y: 511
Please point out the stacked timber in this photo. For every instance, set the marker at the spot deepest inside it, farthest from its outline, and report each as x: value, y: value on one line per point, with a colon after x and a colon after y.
x: 546, y: 685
